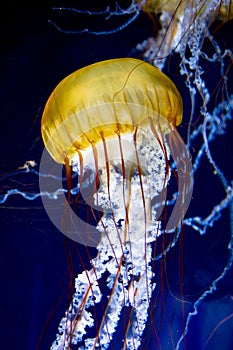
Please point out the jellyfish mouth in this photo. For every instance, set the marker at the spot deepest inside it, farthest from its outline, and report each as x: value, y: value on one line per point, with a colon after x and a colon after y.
x: 131, y: 172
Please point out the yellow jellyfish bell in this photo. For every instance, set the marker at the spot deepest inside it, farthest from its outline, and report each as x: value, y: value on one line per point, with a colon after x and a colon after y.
x: 105, y: 99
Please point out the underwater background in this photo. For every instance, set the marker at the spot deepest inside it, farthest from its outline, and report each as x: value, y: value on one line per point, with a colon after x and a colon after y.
x: 35, y: 57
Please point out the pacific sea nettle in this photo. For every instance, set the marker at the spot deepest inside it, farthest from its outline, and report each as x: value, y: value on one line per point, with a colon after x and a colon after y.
x: 114, y: 123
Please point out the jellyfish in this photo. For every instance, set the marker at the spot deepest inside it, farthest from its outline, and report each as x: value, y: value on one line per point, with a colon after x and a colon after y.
x: 182, y: 24
x: 114, y: 124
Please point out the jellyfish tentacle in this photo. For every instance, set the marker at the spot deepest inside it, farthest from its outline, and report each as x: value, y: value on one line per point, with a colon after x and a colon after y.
x: 129, y: 288
x: 140, y: 290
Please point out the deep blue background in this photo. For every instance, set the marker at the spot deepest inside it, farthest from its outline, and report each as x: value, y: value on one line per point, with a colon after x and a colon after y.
x: 34, y: 58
